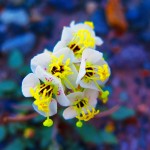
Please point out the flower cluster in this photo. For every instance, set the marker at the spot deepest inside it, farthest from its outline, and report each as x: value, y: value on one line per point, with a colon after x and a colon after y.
x: 72, y: 75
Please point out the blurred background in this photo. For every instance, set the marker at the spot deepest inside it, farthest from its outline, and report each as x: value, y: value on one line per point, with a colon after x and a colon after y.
x: 27, y: 27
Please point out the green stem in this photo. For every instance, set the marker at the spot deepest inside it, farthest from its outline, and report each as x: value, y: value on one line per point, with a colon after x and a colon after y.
x: 98, y: 86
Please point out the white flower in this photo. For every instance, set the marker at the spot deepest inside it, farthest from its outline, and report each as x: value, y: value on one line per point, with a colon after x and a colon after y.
x: 73, y: 68
x: 94, y: 70
x: 77, y: 38
x: 58, y: 64
x: 43, y: 87
x: 82, y: 106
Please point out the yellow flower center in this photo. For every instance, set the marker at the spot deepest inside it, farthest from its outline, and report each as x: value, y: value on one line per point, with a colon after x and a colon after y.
x: 59, y: 68
x: 89, y: 71
x: 81, y: 40
x: 84, y: 110
x: 43, y: 97
x: 103, y: 72
x: 79, y: 103
x: 95, y: 72
x: 88, y: 115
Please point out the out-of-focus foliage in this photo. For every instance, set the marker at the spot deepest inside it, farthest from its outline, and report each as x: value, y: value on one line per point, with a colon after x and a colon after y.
x: 14, y: 144
x: 7, y: 87
x: 91, y: 135
x: 15, y: 59
x: 3, y: 133
x: 123, y: 113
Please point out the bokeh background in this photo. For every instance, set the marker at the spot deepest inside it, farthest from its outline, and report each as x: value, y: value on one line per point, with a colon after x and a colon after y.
x: 27, y: 27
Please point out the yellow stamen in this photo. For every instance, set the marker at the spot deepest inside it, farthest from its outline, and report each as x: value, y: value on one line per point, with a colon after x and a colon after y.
x: 84, y: 110
x: 81, y: 40
x: 88, y: 116
x: 89, y: 23
x: 95, y: 73
x: 42, y: 100
x: 59, y: 68
x: 103, y: 72
x: 43, y: 97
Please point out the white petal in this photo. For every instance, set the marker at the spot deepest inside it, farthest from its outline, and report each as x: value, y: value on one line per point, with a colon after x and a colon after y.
x: 66, y: 52
x: 69, y: 113
x: 42, y: 60
x: 82, y: 71
x: 99, y: 41
x: 61, y: 97
x: 91, y: 55
x: 47, y: 51
x: 72, y: 78
x: 91, y: 84
x: 76, y: 60
x: 45, y: 76
x: 102, y: 83
x: 92, y: 96
x: 101, y: 62
x: 30, y: 81
x: 74, y: 96
x: 72, y: 23
x: 60, y: 45
x: 66, y: 34
x: 52, y: 107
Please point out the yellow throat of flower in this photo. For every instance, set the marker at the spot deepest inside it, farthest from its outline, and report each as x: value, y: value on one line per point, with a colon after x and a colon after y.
x: 43, y: 97
x: 59, y: 68
x: 103, y: 72
x: 84, y: 110
x: 81, y: 40
x: 95, y: 72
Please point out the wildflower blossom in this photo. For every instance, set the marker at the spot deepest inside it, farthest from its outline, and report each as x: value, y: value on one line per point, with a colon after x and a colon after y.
x: 77, y: 38
x: 94, y: 71
x: 43, y: 91
x: 59, y: 65
x: 74, y: 69
x: 82, y: 106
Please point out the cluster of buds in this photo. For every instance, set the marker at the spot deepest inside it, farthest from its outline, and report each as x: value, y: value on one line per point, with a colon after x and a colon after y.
x: 72, y: 75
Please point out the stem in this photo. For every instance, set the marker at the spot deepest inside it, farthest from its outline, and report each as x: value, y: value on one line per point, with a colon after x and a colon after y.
x: 108, y: 112
x: 18, y: 118
x: 98, y: 86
